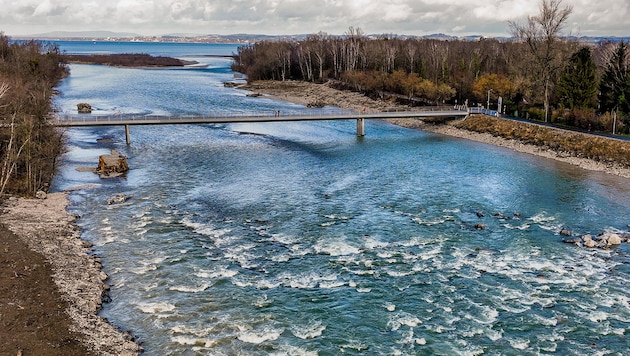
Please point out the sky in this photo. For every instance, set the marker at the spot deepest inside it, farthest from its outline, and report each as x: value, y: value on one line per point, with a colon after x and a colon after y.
x: 287, y: 17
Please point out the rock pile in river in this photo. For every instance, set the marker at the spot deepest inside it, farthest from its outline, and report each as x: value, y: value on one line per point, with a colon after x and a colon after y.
x: 603, y: 241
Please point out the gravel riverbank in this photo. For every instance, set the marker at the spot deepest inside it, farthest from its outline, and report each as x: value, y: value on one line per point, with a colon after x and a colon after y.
x: 60, y: 320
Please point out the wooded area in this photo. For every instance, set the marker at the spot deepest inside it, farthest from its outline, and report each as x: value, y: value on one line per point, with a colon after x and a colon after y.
x: 536, y: 71
x: 125, y: 60
x: 29, y: 145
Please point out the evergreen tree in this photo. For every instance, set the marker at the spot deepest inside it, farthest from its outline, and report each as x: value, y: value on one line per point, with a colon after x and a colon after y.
x: 577, y: 86
x: 615, y: 85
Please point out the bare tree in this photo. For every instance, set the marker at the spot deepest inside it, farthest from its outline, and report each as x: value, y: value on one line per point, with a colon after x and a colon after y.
x: 541, y: 33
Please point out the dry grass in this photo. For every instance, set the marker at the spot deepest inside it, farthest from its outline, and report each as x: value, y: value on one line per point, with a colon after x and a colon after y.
x: 601, y: 149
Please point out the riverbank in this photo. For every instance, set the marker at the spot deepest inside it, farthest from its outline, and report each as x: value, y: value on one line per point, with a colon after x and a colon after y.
x: 53, y: 311
x: 305, y: 93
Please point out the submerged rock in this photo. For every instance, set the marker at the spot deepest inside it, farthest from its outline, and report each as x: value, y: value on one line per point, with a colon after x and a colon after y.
x: 565, y: 232
x: 118, y: 199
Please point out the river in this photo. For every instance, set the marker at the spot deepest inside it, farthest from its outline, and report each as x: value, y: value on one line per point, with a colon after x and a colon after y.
x: 303, y: 239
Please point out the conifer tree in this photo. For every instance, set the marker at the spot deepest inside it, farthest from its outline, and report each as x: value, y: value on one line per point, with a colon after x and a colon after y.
x: 577, y: 86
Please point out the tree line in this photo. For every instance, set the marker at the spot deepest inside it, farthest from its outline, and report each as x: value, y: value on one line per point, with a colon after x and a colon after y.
x: 125, y: 60
x: 539, y: 74
x: 29, y: 145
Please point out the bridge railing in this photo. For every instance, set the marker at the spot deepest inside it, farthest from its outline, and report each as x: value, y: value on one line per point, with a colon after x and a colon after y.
x: 478, y: 110
x: 306, y: 112
x: 219, y: 114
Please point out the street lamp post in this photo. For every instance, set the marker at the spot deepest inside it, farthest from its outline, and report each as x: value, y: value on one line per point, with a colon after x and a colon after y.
x: 489, y: 91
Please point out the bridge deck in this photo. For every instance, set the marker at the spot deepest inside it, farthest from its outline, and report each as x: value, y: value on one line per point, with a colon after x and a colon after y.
x: 111, y: 120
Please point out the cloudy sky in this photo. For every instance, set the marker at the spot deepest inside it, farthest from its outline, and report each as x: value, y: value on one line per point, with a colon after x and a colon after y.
x: 411, y: 17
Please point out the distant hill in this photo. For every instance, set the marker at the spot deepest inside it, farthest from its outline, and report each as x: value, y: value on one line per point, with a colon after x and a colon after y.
x: 80, y: 34
x: 252, y: 38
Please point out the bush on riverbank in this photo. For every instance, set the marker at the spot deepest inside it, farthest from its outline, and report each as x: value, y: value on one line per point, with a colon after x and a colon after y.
x: 571, y: 143
x: 29, y: 145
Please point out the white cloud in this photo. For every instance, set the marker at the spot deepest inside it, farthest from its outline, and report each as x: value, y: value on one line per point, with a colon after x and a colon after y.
x: 458, y: 17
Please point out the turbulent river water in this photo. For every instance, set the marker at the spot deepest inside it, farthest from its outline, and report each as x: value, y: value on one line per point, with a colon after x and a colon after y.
x: 302, y: 239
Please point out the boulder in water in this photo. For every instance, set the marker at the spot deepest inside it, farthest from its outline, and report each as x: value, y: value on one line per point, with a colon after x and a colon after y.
x: 112, y: 165
x: 84, y: 108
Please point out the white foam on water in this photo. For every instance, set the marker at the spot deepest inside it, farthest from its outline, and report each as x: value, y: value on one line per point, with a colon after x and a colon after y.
x: 242, y: 282
x: 431, y: 253
x: 310, y: 331
x: 144, y: 269
x: 356, y: 345
x: 157, y: 307
x: 519, y: 344
x: 493, y: 335
x: 337, y: 217
x: 431, y: 222
x: 540, y: 320
x: 409, y: 338
x: 389, y: 306
x: 364, y: 290
x: 309, y: 280
x: 281, y: 258
x: 336, y: 248
x: 523, y: 226
x: 193, y: 341
x: 288, y: 350
x: 400, y: 319
x: 191, y: 289
x: 142, y: 222
x: 598, y: 316
x: 486, y: 314
x: 371, y: 243
x: 393, y: 273
x: 260, y: 336
x: 542, y: 218
x: 262, y: 301
x: 331, y: 284
x: 284, y: 239
x: 546, y: 222
x: 204, y: 229
x: 439, y: 329
x: 268, y: 284
x: 219, y: 272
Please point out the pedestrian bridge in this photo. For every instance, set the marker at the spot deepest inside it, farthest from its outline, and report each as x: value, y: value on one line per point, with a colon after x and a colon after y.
x: 127, y: 120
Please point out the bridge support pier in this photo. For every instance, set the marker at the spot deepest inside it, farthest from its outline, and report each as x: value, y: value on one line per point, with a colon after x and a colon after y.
x: 127, y: 136
x: 360, y: 127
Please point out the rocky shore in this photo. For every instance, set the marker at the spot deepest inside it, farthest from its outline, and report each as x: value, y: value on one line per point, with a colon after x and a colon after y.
x: 306, y: 93
x: 45, y: 227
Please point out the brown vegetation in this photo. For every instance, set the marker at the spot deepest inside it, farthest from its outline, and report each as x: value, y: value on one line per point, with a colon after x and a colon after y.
x: 571, y: 143
x: 125, y: 60
x: 29, y: 145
